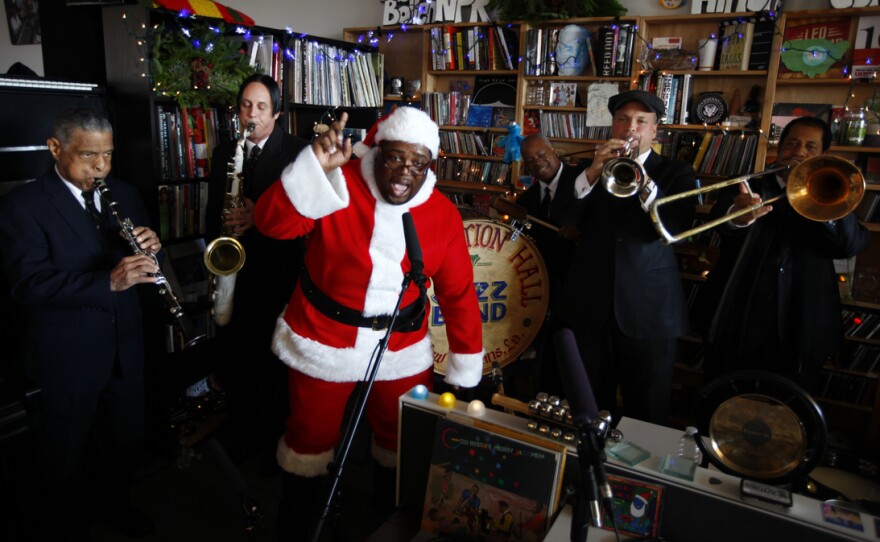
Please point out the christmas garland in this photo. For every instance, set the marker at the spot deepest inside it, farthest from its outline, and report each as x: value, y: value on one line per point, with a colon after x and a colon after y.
x: 197, y: 65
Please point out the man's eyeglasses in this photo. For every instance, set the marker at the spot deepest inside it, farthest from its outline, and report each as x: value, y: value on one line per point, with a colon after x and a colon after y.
x: 396, y: 162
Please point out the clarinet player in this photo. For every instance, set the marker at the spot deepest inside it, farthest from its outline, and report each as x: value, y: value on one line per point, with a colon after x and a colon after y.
x: 247, y: 370
x: 73, y: 276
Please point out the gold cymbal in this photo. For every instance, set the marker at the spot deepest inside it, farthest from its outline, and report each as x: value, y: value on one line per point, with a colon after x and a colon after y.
x: 757, y: 436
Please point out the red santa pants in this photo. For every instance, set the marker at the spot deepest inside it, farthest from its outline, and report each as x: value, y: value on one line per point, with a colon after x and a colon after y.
x: 318, y: 407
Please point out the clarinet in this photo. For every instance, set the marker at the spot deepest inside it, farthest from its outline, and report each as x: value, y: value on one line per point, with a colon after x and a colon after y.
x: 187, y: 328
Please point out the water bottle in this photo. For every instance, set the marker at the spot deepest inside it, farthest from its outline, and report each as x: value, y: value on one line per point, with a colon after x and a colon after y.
x: 687, y: 446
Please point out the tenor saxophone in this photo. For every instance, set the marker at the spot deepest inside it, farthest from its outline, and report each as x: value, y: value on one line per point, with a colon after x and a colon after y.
x: 187, y: 328
x: 224, y: 256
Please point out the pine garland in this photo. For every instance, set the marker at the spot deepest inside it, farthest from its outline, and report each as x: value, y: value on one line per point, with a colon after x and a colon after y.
x: 197, y: 65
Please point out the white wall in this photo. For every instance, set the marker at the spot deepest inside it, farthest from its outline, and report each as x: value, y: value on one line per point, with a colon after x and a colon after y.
x: 325, y: 18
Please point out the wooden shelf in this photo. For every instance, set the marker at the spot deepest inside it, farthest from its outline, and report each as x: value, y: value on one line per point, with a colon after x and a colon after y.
x: 457, y: 186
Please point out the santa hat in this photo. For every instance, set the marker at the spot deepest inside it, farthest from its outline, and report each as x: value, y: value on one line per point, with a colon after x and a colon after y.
x: 406, y: 124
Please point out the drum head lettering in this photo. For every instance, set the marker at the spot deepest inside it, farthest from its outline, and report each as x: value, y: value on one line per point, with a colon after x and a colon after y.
x: 513, y: 292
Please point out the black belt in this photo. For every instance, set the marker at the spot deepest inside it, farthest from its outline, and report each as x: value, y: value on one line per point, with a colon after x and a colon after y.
x: 409, y: 318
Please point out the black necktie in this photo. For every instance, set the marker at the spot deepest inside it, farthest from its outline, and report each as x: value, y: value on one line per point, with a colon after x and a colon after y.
x: 252, y: 161
x: 89, y: 198
x: 545, y: 204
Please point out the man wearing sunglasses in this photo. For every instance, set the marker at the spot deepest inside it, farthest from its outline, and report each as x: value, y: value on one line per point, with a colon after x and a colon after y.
x: 356, y: 258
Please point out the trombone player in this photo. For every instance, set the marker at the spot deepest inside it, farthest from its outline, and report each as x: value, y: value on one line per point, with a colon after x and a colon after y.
x: 623, y: 296
x: 771, y: 302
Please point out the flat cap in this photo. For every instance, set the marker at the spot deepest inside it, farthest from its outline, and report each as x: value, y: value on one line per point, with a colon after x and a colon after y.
x: 651, y: 101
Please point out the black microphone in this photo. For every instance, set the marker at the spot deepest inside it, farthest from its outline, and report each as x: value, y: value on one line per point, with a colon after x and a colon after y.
x: 574, y: 378
x: 414, y: 250
x: 585, y: 414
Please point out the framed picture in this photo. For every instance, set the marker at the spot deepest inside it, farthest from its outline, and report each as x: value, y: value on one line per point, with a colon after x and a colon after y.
x: 502, y: 116
x: 636, y: 507
x: 563, y: 94
x: 483, y: 483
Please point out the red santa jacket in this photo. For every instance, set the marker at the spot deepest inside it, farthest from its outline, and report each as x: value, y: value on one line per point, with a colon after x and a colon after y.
x: 356, y: 254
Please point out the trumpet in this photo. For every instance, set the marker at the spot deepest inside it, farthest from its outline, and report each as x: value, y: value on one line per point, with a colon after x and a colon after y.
x: 624, y: 176
x: 820, y: 188
x: 187, y: 328
x: 224, y: 256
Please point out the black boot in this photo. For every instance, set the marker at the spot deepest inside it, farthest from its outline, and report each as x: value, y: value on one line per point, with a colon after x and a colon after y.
x: 299, y: 506
x: 384, y: 490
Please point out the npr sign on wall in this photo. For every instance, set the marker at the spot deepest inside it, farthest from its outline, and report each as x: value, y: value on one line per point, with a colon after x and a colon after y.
x: 437, y: 11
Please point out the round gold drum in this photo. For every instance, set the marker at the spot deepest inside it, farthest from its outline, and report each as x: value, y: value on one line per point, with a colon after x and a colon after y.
x: 512, y: 289
x: 758, y: 436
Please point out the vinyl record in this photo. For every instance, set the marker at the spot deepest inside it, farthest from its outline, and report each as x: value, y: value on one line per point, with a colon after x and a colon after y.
x: 710, y: 108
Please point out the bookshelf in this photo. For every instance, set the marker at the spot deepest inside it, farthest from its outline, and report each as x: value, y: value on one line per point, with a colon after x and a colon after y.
x: 322, y: 75
x: 679, y: 136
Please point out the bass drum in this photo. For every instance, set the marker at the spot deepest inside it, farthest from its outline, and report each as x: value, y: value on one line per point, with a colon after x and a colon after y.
x: 513, y: 291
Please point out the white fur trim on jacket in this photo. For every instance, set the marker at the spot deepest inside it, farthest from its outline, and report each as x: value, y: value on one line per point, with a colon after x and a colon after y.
x: 384, y: 457
x: 314, y: 193
x: 302, y: 464
x: 349, y: 364
x: 464, y: 369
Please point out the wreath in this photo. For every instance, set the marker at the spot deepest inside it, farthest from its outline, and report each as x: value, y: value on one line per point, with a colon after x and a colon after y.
x: 198, y: 65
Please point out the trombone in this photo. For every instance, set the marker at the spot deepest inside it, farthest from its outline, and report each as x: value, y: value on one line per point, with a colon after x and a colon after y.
x: 820, y: 188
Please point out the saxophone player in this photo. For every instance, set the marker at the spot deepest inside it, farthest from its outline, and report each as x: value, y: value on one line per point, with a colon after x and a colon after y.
x: 249, y: 373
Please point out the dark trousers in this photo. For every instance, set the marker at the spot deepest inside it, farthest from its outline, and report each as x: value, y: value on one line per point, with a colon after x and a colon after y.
x: 643, y: 369
x: 88, y: 449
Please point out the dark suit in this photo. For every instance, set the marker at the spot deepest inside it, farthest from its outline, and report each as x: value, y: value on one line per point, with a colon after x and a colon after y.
x: 83, y: 344
x: 262, y: 289
x: 557, y: 253
x: 623, y: 295
x: 775, y: 289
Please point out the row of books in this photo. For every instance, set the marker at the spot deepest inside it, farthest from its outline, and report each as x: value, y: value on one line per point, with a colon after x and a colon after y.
x: 848, y: 388
x: 676, y: 91
x: 614, y: 45
x: 745, y: 45
x: 182, y: 209
x: 463, y: 143
x: 324, y: 74
x: 187, y: 136
x: 473, y: 171
x: 447, y: 108
x: 565, y: 125
x: 473, y: 48
x: 860, y: 325
x: 727, y: 155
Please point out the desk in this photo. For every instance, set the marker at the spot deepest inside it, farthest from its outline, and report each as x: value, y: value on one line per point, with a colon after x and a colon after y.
x: 709, y: 508
x: 719, y: 502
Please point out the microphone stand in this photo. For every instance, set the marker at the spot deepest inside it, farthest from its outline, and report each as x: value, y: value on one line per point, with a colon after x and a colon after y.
x: 337, y: 466
x: 595, y: 490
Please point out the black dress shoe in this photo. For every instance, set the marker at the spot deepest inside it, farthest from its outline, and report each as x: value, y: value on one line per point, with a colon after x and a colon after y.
x: 131, y: 522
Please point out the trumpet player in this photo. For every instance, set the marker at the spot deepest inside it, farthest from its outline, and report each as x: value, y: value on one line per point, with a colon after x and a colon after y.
x: 772, y: 300
x: 74, y: 278
x: 247, y: 370
x: 623, y: 295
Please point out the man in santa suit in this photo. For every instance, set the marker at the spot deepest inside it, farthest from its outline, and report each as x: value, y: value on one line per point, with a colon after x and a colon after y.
x: 355, y: 262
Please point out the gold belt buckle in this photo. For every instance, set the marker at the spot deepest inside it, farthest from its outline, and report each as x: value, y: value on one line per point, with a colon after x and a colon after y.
x: 379, y: 323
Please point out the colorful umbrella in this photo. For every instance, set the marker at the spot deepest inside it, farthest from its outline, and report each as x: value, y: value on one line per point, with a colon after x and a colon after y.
x: 206, y: 8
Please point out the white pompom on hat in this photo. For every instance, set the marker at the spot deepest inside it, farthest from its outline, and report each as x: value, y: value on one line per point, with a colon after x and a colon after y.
x: 406, y: 124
